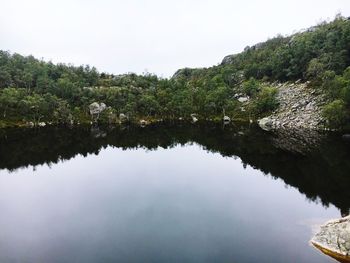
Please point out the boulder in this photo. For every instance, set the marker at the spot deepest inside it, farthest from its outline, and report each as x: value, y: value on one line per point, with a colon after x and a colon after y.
x: 194, y: 117
x: 226, y: 119
x: 265, y: 123
x: 334, y: 239
x: 96, y: 109
x: 243, y: 99
x: 123, y: 117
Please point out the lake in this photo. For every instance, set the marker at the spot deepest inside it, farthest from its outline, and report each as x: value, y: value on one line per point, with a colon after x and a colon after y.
x: 168, y: 193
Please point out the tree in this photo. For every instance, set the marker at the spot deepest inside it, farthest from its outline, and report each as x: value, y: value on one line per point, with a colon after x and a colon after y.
x: 34, y: 107
x: 62, y: 113
x: 148, y: 105
x: 217, y: 100
x: 9, y: 98
x: 5, y: 77
x: 315, y: 69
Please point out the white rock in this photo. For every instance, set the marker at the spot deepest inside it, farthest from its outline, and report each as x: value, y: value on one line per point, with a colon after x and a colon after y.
x: 194, y: 118
x: 226, y: 119
x: 243, y: 99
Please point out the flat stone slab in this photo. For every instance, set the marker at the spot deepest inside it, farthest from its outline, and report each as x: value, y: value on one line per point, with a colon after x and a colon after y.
x: 333, y: 239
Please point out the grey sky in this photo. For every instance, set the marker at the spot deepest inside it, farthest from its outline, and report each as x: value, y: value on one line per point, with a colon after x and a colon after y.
x: 159, y: 36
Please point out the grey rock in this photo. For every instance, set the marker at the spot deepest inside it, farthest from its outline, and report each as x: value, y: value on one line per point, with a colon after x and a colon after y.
x: 228, y: 60
x: 334, y: 236
x: 265, y: 123
x: 96, y: 108
x: 194, y: 117
x: 123, y: 117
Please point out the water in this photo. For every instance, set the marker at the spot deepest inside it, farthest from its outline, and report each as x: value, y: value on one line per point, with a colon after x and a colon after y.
x: 167, y: 194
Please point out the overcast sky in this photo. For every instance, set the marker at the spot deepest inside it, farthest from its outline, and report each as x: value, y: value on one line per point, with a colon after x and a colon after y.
x: 157, y: 36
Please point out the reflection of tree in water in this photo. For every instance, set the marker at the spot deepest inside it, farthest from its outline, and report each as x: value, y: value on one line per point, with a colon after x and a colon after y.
x: 321, y: 172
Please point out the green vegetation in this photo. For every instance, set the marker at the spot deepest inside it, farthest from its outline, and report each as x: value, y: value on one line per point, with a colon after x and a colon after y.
x: 265, y: 100
x: 335, y: 113
x: 32, y: 90
x: 251, y: 87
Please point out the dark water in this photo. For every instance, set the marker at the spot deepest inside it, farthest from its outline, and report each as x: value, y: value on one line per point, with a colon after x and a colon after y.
x: 168, y: 193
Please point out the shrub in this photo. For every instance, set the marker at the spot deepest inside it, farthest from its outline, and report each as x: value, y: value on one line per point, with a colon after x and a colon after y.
x: 335, y: 113
x: 315, y: 69
x: 265, y: 100
x: 251, y: 87
x: 345, y: 94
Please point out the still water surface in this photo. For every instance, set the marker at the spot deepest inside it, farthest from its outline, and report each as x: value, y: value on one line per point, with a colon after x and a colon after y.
x: 163, y: 194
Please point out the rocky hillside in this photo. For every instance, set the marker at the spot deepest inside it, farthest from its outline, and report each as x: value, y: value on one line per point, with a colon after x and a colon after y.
x: 34, y: 91
x: 300, y: 106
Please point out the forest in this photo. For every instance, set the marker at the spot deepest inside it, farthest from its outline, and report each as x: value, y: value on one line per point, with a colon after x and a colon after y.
x: 33, y: 90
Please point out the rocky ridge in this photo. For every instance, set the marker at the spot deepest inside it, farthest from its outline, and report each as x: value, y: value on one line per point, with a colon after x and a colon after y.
x: 300, y: 106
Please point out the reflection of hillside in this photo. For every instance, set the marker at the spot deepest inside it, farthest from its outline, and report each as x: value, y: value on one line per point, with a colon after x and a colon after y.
x: 320, y: 172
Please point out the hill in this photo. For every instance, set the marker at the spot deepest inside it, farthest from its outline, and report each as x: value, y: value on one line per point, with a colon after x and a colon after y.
x: 243, y: 86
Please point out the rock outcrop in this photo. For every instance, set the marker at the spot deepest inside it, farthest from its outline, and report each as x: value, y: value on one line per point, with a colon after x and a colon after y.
x: 228, y: 60
x: 334, y: 239
x: 299, y: 107
x: 96, y: 108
